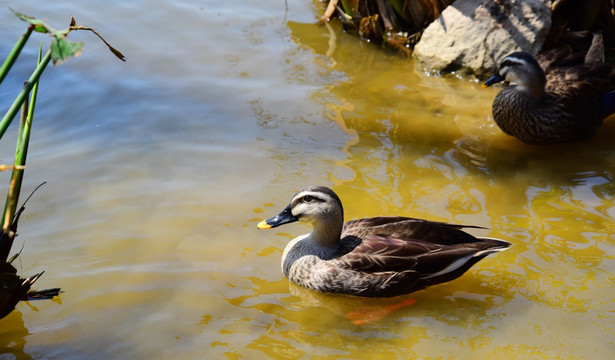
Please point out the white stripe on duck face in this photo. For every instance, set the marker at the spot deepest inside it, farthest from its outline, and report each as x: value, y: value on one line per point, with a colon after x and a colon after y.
x: 516, y: 60
x: 315, y: 194
x: 510, y: 62
x: 302, y: 205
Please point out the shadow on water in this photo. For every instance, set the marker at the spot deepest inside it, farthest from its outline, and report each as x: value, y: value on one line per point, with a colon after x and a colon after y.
x: 13, y: 336
x: 566, y: 164
x: 308, y: 321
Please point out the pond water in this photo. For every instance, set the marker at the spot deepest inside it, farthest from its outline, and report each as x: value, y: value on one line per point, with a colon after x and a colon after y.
x: 159, y: 169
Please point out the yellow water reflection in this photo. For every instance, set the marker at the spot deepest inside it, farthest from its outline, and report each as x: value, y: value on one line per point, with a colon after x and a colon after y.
x: 150, y: 226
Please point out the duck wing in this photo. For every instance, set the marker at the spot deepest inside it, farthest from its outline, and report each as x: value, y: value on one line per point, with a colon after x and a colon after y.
x: 584, y: 92
x: 593, y: 79
x: 581, y: 83
x: 425, y: 248
x: 405, y: 228
x: 558, y: 58
x: 562, y: 57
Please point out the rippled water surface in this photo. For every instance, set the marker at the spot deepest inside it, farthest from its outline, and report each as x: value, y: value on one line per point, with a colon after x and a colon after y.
x: 158, y: 170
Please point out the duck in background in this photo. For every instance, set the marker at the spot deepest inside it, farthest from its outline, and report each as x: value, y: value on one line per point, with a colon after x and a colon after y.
x: 555, y: 97
x: 373, y: 257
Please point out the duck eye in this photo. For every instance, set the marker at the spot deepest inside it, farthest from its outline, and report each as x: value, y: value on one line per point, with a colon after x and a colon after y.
x: 308, y: 198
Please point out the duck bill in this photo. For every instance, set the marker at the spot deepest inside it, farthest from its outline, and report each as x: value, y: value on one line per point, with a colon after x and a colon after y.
x: 492, y: 80
x: 285, y: 217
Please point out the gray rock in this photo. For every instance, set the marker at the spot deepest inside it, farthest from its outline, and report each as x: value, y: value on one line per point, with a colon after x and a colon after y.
x: 474, y: 35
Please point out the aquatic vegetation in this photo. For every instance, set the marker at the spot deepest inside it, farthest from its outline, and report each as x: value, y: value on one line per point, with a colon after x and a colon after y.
x: 13, y: 288
x: 395, y: 24
x: 398, y: 25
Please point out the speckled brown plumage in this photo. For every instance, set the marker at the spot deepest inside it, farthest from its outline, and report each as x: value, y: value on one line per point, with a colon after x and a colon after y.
x: 380, y: 256
x: 557, y: 97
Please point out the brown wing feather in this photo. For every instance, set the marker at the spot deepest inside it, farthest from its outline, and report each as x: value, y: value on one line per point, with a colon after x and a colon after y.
x: 578, y: 93
x: 405, y: 228
x: 394, y: 244
x: 583, y: 83
x: 578, y: 80
x: 558, y: 58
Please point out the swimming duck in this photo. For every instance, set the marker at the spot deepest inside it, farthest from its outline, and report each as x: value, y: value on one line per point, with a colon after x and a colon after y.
x: 556, y: 97
x: 373, y: 257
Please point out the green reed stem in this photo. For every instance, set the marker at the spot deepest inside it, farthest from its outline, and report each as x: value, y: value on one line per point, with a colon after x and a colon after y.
x: 10, y: 60
x: 21, y: 97
x: 21, y: 152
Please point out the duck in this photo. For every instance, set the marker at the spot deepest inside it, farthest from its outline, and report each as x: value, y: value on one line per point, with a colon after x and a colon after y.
x: 382, y: 256
x: 556, y: 97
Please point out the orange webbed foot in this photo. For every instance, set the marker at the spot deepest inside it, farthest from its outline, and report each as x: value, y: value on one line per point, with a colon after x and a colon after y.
x: 368, y: 314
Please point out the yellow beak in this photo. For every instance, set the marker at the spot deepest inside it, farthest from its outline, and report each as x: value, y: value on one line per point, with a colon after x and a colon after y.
x: 263, y: 225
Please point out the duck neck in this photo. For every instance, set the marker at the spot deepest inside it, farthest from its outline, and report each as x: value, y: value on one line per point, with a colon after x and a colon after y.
x: 536, y: 90
x: 533, y: 84
x: 327, y: 233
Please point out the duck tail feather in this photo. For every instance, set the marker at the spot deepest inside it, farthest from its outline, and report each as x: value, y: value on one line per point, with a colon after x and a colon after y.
x: 498, y: 244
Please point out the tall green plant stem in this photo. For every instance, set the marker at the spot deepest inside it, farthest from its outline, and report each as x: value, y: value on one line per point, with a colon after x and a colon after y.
x: 21, y: 97
x: 10, y: 60
x: 21, y: 152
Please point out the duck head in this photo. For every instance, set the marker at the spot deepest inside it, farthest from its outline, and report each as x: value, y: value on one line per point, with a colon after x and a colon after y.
x: 317, y: 205
x: 523, y: 71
